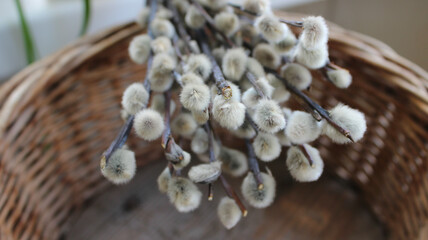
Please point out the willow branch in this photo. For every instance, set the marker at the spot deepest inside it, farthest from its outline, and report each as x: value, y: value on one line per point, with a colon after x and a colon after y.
x: 211, y: 22
x: 180, y: 27
x: 298, y: 24
x: 220, y: 81
x: 324, y: 114
x: 232, y: 194
x: 166, y: 136
x: 254, y: 165
x: 306, y: 153
x: 252, y: 79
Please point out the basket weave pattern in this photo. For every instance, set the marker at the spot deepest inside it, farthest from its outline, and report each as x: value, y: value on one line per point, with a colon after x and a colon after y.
x: 59, y: 114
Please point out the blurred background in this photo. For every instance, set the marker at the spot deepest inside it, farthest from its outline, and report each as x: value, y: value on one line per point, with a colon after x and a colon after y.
x: 55, y: 23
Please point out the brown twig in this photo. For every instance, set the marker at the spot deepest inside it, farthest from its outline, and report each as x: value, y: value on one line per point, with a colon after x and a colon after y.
x: 166, y: 136
x: 252, y: 79
x: 232, y: 194
x: 254, y: 165
x: 307, y: 155
x: 211, y: 156
x: 221, y: 82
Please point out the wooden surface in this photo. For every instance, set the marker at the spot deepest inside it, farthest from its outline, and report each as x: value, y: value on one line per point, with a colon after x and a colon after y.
x: 323, y: 210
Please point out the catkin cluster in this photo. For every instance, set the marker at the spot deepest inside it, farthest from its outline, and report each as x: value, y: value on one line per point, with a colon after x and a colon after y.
x: 238, y: 79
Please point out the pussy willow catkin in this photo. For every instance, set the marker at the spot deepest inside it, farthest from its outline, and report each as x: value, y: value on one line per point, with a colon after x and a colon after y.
x: 232, y: 68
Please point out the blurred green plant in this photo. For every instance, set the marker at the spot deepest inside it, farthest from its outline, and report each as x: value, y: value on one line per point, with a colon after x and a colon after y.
x: 28, y: 39
x: 86, y: 17
x: 30, y: 50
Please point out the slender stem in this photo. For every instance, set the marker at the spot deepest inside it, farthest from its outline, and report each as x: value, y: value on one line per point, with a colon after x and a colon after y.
x: 167, y: 119
x: 211, y: 155
x: 310, y: 110
x: 210, y: 192
x: 180, y: 27
x: 312, y: 104
x: 120, y: 139
x: 240, y: 8
x: 153, y: 9
x: 306, y: 153
x: 221, y: 83
x: 254, y: 165
x: 232, y: 194
x: 252, y: 79
x: 251, y: 122
x: 211, y: 22
x: 298, y: 24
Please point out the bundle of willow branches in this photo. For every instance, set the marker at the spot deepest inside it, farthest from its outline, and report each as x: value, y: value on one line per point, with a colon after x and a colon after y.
x: 234, y: 68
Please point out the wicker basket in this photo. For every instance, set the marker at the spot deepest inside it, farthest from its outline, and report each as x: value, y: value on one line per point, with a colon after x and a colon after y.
x: 59, y: 114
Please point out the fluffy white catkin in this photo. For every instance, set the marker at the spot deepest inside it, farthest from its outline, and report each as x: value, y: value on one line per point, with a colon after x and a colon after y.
x: 184, y: 162
x: 271, y: 28
x: 234, y: 162
x: 299, y: 166
x: 158, y: 104
x: 164, y: 13
x: 228, y: 212
x: 199, y: 143
x: 148, y: 124
x: 280, y: 92
x: 259, y: 198
x: 194, y: 19
x: 234, y: 64
x: 161, y: 45
x: 184, y: 194
x: 191, y: 78
x: 255, y: 67
x: 160, y: 75
x: 195, y: 97
x: 297, y: 75
x: 121, y: 166
x: 226, y: 22
x: 258, y: 7
x: 314, y: 58
x: 134, y: 98
x: 245, y: 131
x: 206, y: 172
x: 302, y: 128
x: 341, y: 78
x: 163, y: 180
x: 286, y: 44
x: 162, y: 27
x: 266, y: 55
x: 139, y: 48
x: 198, y: 64
x: 201, y: 117
x: 266, y: 146
x: 315, y: 32
x: 229, y: 114
x: 268, y: 116
x: 349, y: 119
x: 184, y: 125
x: 251, y: 98
x: 143, y: 17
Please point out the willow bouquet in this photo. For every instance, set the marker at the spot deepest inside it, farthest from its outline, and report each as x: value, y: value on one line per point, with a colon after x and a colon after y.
x: 233, y: 68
